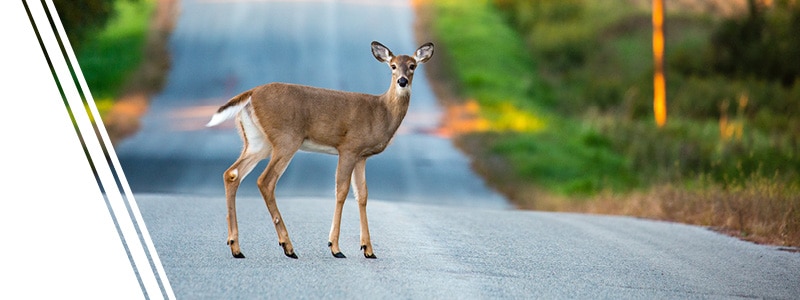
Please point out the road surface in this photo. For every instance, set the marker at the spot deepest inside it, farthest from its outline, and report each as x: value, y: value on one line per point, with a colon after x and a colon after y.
x: 440, y: 252
x: 437, y: 230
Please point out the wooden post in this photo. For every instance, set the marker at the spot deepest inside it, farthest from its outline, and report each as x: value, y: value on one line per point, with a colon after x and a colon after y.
x: 659, y: 82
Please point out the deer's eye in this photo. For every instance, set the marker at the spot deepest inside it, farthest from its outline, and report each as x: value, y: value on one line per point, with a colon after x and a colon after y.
x: 412, y: 67
x: 394, y: 66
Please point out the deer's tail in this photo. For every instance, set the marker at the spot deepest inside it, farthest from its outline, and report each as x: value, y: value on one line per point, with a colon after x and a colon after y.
x: 231, y: 108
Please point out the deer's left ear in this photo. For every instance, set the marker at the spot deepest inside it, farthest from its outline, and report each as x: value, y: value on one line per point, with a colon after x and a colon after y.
x: 424, y: 53
x: 381, y: 53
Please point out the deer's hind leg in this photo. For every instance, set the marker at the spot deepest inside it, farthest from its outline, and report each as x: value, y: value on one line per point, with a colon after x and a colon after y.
x: 256, y: 148
x: 281, y: 157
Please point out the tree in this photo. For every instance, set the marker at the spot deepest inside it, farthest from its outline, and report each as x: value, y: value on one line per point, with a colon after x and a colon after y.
x: 764, y: 44
x: 83, y: 17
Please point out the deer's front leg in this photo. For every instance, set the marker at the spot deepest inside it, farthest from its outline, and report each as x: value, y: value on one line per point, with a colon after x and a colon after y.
x: 343, y: 171
x: 360, y: 189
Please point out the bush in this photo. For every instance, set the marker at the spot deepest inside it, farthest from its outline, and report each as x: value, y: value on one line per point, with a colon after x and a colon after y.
x: 109, y: 56
x: 764, y: 44
x: 82, y: 18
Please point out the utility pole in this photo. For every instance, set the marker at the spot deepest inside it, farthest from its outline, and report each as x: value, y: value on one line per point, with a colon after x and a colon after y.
x: 659, y: 82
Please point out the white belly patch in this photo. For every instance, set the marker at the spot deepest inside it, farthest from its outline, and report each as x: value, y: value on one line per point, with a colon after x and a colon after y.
x: 311, y: 146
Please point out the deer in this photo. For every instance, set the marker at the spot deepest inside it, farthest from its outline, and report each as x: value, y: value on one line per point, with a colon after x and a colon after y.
x: 277, y: 119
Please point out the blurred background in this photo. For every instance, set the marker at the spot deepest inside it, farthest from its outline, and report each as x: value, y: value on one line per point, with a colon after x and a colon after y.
x: 553, y: 102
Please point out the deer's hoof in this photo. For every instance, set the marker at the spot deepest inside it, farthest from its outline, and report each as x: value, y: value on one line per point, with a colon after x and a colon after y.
x: 371, y: 255
x: 336, y: 254
x: 236, y: 253
x: 287, y: 252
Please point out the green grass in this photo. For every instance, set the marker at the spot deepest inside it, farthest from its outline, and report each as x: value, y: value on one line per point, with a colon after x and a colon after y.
x: 567, y: 161
x: 494, y: 68
x: 492, y: 64
x: 110, y: 56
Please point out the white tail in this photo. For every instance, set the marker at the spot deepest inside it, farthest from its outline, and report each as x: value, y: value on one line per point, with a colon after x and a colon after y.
x: 277, y: 119
x: 226, y: 112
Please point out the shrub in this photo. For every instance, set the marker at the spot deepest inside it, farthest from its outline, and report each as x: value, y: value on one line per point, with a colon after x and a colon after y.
x: 763, y: 44
x: 82, y: 18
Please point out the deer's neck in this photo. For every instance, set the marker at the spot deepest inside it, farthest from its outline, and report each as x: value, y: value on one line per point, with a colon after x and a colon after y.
x: 397, y: 105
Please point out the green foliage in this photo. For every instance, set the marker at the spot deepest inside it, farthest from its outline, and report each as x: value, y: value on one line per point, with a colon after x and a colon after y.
x: 763, y: 44
x: 110, y: 55
x: 83, y: 18
x: 590, y: 64
x: 614, y: 76
x: 494, y: 67
x: 492, y: 64
x: 564, y: 48
x: 569, y: 161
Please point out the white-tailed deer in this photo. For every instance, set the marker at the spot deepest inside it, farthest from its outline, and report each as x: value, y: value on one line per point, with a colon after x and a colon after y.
x: 277, y: 119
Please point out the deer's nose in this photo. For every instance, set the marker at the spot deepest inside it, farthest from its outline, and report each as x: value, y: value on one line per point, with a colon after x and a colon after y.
x: 402, y: 81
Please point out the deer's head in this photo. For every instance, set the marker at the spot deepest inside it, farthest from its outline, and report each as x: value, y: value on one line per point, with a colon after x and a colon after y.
x: 403, y: 66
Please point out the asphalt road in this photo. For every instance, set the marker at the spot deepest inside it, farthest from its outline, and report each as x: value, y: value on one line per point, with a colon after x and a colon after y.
x: 437, y: 230
x: 441, y: 252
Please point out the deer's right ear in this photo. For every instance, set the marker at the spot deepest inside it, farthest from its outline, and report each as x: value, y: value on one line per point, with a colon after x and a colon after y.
x: 381, y: 53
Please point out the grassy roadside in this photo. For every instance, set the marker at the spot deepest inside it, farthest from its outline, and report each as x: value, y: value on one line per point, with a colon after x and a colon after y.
x: 489, y: 62
x: 596, y: 149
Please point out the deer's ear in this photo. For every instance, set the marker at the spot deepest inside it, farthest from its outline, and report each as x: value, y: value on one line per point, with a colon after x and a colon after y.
x: 381, y: 53
x: 424, y: 53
